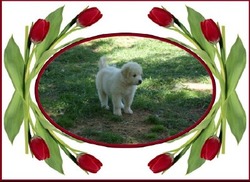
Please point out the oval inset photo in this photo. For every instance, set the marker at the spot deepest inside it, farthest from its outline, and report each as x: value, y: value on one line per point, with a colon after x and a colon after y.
x: 165, y: 92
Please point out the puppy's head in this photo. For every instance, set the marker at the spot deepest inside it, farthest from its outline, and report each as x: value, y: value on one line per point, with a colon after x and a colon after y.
x: 132, y: 73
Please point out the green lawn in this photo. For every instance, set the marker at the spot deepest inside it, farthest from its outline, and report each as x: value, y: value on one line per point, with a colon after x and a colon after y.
x: 161, y: 108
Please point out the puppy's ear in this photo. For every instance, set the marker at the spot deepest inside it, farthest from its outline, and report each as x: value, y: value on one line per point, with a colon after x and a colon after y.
x: 125, y: 71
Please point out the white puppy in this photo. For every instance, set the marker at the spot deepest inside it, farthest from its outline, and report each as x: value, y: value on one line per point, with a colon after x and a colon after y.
x: 120, y: 84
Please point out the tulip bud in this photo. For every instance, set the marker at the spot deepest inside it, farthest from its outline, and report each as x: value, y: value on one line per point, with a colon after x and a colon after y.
x: 161, y: 162
x: 39, y: 31
x: 89, y: 17
x: 39, y: 148
x: 210, y: 148
x: 89, y: 163
x: 210, y: 30
x: 161, y: 17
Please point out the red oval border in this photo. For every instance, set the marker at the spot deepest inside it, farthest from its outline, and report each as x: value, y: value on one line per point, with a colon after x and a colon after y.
x: 123, y: 145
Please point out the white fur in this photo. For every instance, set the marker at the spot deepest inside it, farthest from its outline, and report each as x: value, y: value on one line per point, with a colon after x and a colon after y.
x: 120, y: 84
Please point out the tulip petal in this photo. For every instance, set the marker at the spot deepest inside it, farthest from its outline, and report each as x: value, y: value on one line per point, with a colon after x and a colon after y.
x: 210, y: 148
x: 39, y: 148
x: 89, y: 17
x: 161, y: 17
x: 161, y: 162
x: 89, y: 163
x: 210, y: 30
x: 39, y: 31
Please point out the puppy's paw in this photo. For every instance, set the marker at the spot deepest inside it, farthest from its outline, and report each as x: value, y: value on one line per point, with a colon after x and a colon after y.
x: 128, y: 111
x: 105, y: 107
x: 118, y: 112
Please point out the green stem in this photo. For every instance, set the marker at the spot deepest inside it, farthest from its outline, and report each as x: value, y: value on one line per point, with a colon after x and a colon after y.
x: 75, y: 151
x: 72, y: 22
x: 182, y: 27
x: 32, y: 125
x: 221, y: 57
x: 27, y: 44
x: 65, y: 35
x: 26, y: 129
x: 223, y: 44
x: 27, y: 83
x: 174, y: 28
x: 223, y: 126
x: 218, y: 124
x: 185, y: 144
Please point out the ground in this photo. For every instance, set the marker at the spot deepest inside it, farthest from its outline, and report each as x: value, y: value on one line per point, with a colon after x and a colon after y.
x: 132, y: 129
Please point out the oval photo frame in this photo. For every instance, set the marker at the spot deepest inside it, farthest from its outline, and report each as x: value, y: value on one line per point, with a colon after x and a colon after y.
x: 86, y: 40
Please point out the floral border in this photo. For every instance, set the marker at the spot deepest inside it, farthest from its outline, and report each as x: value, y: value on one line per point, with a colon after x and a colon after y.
x: 45, y: 141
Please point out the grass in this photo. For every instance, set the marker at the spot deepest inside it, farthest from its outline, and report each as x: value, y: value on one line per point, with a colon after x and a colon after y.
x: 67, y: 91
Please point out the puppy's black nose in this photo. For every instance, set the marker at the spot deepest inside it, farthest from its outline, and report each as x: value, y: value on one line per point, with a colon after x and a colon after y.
x: 139, y: 82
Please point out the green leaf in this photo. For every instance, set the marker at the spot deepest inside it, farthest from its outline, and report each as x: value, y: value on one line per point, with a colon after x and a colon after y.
x: 14, y: 116
x: 66, y: 151
x: 235, y: 64
x: 55, y: 19
x: 55, y: 160
x: 236, y: 116
x: 14, y: 64
x: 194, y: 160
x: 194, y: 19
x: 183, y: 151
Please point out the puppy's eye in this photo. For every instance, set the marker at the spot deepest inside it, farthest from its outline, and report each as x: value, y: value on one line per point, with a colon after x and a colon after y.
x: 134, y: 75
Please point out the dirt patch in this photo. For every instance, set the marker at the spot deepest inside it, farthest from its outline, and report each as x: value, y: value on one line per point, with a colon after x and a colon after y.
x: 132, y: 128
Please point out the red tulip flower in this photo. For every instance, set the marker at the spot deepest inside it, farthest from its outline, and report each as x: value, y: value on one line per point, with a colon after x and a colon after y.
x: 89, y: 163
x: 210, y: 148
x: 89, y: 17
x: 39, y: 148
x: 39, y: 31
x: 161, y: 162
x: 161, y: 17
x: 211, y: 31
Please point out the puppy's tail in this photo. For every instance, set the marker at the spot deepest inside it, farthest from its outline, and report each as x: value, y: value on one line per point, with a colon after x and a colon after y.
x: 102, y: 63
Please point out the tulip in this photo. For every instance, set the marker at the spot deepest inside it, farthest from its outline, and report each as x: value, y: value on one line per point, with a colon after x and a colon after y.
x: 39, y: 148
x: 211, y: 31
x: 161, y: 17
x: 210, y: 148
x: 39, y: 31
x: 89, y: 163
x: 88, y: 17
x: 161, y: 162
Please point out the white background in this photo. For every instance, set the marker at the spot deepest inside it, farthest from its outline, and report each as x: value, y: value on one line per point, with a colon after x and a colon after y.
x: 125, y: 163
